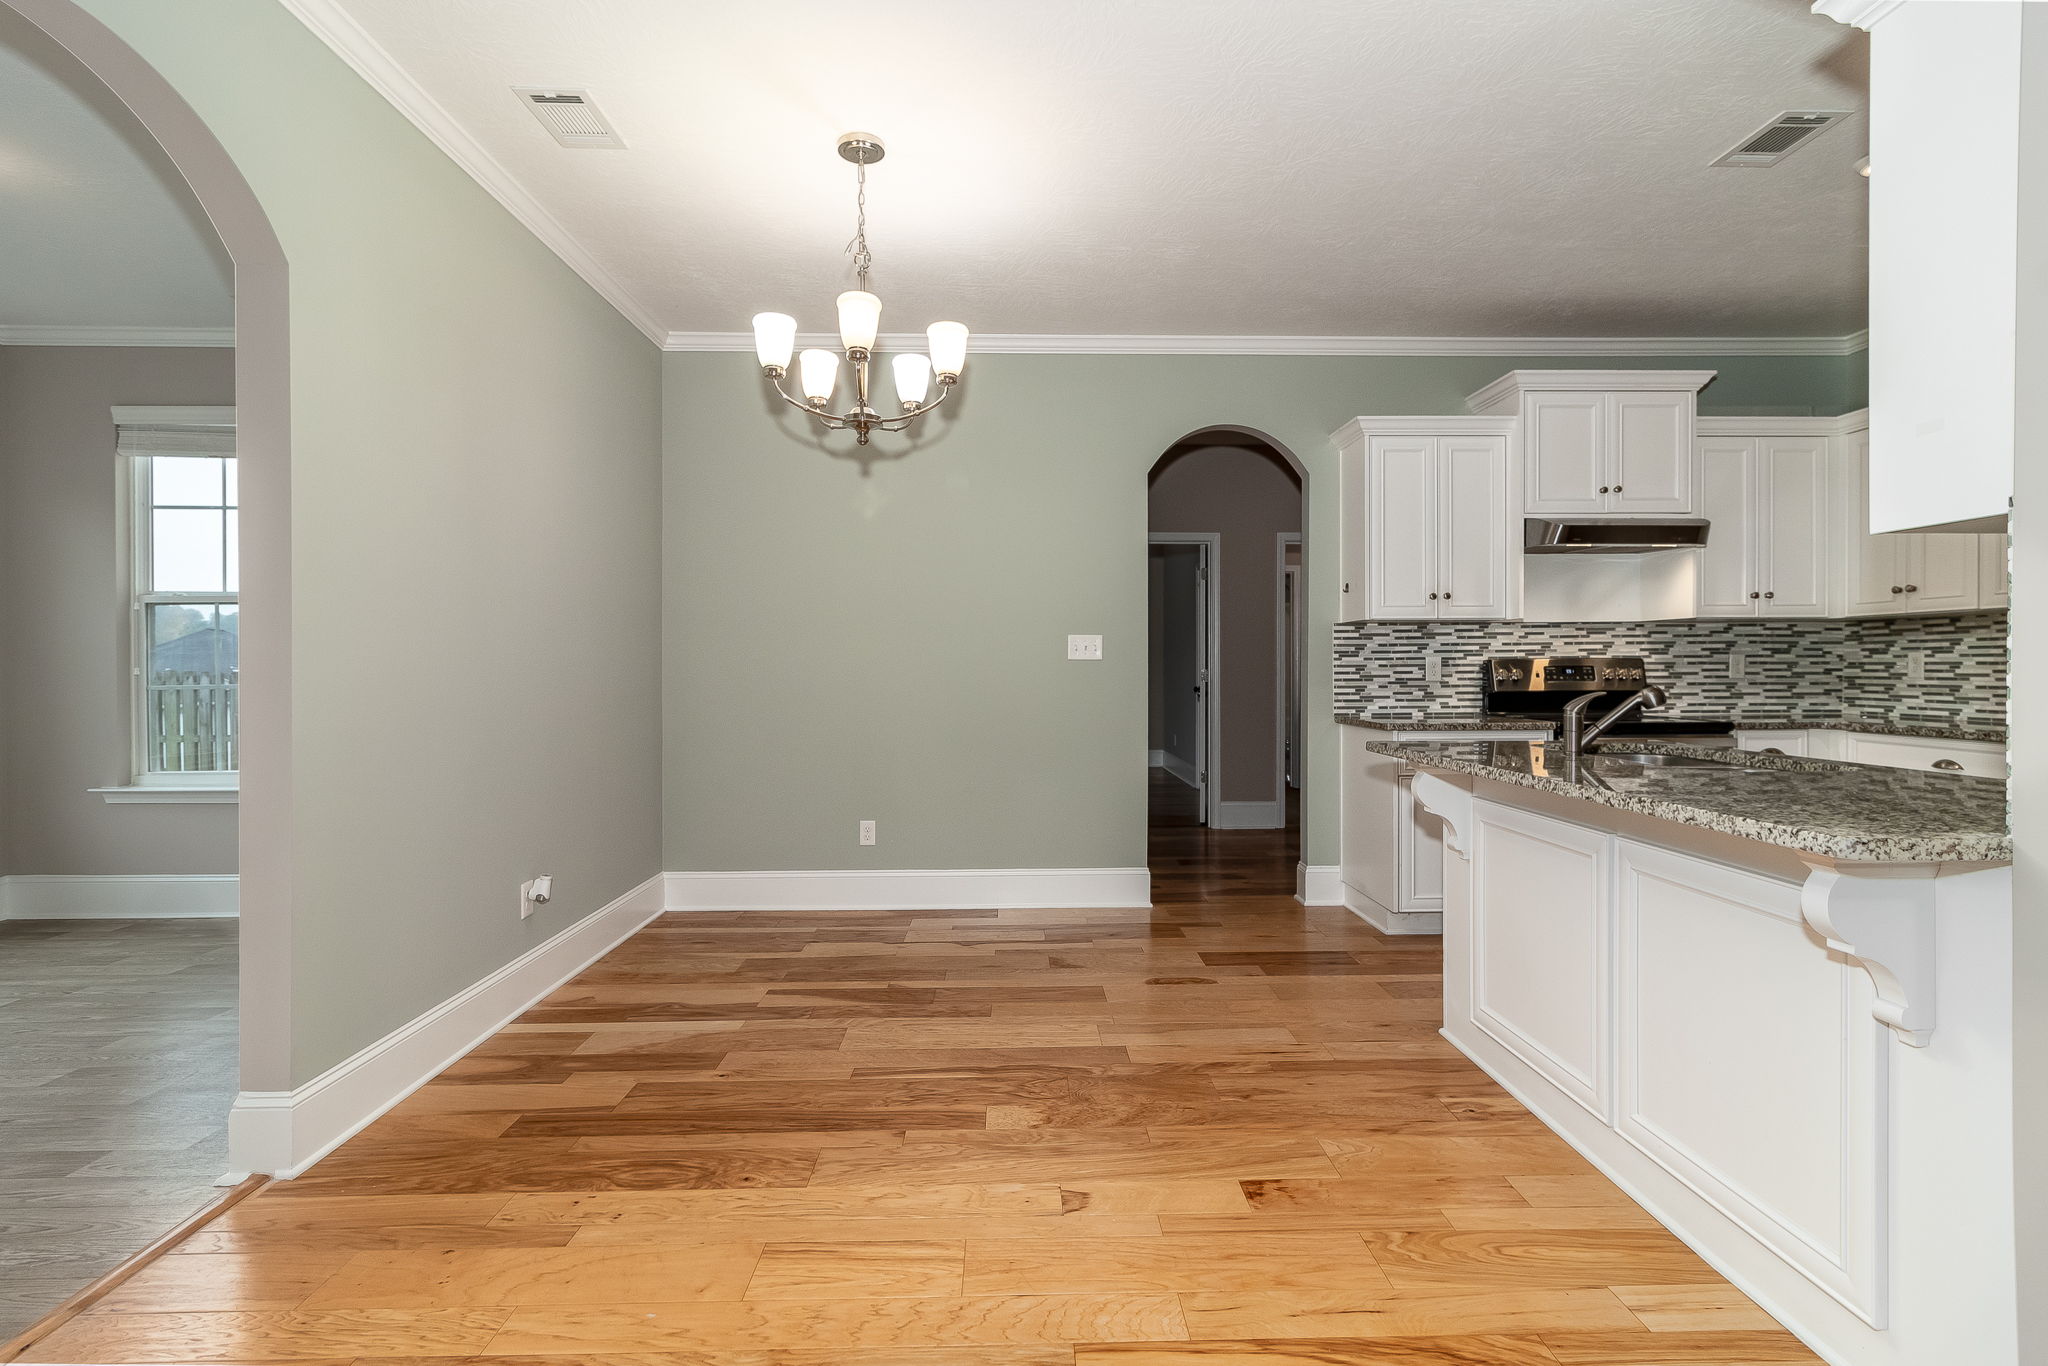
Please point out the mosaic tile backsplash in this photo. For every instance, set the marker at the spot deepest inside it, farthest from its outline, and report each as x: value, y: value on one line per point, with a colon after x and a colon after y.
x: 1848, y: 669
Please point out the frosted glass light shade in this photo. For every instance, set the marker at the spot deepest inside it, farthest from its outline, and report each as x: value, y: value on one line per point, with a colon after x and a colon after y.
x: 819, y: 372
x: 913, y: 378
x: 860, y: 317
x: 774, y: 338
x: 948, y: 343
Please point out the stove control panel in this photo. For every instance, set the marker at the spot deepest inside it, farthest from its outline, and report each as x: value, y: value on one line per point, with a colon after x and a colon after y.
x: 1564, y: 673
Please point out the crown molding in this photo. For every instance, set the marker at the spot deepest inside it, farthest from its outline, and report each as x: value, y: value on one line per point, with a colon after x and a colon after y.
x: 1862, y: 14
x: 353, y: 44
x: 36, y: 334
x: 1027, y: 343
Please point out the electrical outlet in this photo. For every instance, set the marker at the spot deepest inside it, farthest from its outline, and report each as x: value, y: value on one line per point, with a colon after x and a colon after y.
x: 1916, y: 666
x: 867, y: 832
x: 1432, y: 669
x: 1084, y: 647
x: 1738, y: 664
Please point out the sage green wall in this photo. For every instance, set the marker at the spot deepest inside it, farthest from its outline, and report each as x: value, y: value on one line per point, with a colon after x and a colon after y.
x: 475, y: 468
x: 847, y: 641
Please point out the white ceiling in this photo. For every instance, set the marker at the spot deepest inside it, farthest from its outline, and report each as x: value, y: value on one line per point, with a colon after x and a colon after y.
x: 1301, y: 168
x: 97, y: 230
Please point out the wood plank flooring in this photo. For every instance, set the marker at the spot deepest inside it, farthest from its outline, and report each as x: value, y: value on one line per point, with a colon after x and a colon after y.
x: 1220, y: 1131
x: 117, y: 1068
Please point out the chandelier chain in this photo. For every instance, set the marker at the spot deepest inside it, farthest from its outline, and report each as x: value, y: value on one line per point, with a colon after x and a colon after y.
x: 862, y: 257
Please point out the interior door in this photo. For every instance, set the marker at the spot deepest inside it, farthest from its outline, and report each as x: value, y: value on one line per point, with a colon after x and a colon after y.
x: 1204, y: 654
x: 1792, y: 483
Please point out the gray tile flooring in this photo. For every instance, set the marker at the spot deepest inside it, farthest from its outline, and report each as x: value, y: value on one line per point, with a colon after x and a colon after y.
x: 117, y: 1067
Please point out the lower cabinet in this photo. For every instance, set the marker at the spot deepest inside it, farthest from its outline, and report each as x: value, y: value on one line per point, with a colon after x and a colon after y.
x: 1975, y: 758
x: 1686, y: 1005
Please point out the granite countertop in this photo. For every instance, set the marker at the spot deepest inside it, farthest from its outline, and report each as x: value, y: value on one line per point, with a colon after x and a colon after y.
x: 1862, y: 725
x: 1849, y: 812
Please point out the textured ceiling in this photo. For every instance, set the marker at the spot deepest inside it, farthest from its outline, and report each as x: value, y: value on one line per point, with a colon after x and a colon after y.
x: 96, y: 228
x: 1204, y: 167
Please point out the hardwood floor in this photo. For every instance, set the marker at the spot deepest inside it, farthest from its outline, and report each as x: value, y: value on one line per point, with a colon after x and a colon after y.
x: 1215, y: 1132
x: 1191, y: 862
x: 117, y: 1067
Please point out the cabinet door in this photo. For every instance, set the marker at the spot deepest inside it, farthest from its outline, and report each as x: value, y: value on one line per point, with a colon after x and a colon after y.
x: 1727, y: 568
x: 1941, y: 573
x: 1972, y: 758
x: 1782, y: 741
x: 1401, y: 519
x: 1564, y: 456
x: 1872, y: 565
x: 1792, y: 488
x: 1649, y: 452
x: 1421, y: 841
x: 1472, y: 527
x: 1994, y: 571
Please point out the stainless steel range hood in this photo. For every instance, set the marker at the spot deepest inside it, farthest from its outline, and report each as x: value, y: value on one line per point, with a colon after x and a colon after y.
x: 1611, y: 535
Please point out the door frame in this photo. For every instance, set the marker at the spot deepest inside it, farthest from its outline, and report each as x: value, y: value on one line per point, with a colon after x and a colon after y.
x: 1208, y: 731
x: 1287, y: 639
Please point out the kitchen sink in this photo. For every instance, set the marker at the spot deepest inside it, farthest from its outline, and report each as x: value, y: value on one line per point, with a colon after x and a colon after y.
x: 1625, y: 765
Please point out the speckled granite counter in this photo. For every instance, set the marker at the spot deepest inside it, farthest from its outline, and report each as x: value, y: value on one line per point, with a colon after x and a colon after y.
x: 1444, y: 721
x: 1862, y: 725
x: 1851, y: 812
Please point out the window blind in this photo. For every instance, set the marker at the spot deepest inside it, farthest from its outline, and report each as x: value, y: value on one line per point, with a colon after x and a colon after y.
x: 174, y: 440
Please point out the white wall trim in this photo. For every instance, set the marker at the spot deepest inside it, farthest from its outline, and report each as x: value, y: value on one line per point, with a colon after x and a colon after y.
x: 354, y: 45
x: 913, y: 889
x: 144, y: 794
x: 1156, y: 758
x: 118, y: 896
x: 1390, y: 922
x: 51, y: 334
x: 1034, y: 343
x: 1179, y: 768
x: 281, y: 1133
x: 1248, y: 816
x: 1319, y: 884
x: 1862, y: 14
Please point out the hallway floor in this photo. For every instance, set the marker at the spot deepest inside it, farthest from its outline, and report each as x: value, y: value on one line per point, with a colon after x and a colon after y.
x: 1212, y: 1133
x: 117, y: 1067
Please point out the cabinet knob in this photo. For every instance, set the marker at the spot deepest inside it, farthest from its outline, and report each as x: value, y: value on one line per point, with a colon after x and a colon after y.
x: 1617, y: 488
x: 1603, y: 488
x: 1432, y: 597
x: 1754, y: 595
x: 1948, y: 766
x: 1770, y: 595
x: 1897, y: 589
x: 1912, y: 588
x: 1447, y: 597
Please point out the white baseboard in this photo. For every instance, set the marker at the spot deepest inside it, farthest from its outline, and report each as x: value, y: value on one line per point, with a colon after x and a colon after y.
x: 1248, y: 816
x: 1178, y: 767
x: 164, y: 896
x: 1388, y: 921
x: 1319, y: 884
x: 910, y: 889
x: 1157, y: 758
x: 281, y: 1133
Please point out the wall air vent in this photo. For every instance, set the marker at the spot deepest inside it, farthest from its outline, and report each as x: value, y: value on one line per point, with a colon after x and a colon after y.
x: 1781, y: 137
x: 570, y: 116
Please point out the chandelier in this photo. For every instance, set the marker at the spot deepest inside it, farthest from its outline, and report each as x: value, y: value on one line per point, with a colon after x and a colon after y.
x: 860, y: 318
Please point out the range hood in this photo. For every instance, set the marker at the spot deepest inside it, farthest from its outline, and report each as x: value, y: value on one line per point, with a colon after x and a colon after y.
x: 1611, y: 535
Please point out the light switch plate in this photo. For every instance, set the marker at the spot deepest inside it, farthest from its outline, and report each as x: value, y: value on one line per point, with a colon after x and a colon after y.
x: 1084, y: 647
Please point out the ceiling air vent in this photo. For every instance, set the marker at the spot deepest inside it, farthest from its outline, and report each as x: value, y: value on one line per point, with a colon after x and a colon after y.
x: 1781, y: 137
x: 570, y: 116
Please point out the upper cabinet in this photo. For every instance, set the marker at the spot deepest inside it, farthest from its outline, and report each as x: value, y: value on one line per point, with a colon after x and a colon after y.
x: 1897, y: 573
x: 1427, y: 518
x: 1614, y: 443
x: 1766, y: 500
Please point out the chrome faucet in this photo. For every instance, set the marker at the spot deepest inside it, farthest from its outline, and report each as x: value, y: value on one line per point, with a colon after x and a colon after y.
x: 1578, y: 735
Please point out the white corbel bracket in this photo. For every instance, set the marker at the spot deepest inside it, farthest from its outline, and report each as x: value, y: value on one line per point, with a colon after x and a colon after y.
x: 1881, y: 919
x: 1450, y: 804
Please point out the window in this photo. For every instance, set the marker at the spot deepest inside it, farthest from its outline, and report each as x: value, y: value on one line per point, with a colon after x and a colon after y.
x: 186, y: 614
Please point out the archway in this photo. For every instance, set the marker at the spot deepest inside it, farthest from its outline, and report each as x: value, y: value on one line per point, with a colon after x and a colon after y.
x: 263, y: 398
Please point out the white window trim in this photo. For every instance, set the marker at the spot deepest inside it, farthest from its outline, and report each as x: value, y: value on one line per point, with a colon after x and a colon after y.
x: 145, y: 787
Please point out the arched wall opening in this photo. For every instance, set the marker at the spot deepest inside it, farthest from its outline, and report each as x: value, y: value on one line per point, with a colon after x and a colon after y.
x: 1227, y: 629
x: 263, y: 447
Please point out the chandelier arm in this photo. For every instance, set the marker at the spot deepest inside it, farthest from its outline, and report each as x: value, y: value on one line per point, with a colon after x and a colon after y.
x: 944, y: 390
x: 832, y: 420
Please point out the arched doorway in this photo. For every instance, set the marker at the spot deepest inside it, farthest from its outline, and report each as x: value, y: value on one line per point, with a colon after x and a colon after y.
x: 262, y: 541
x: 1225, y: 573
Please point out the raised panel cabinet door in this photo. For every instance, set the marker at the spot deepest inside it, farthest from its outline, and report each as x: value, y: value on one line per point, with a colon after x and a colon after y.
x: 1540, y: 960
x: 1974, y: 759
x: 1748, y: 1065
x: 1649, y: 464
x: 1473, y: 538
x: 1422, y: 854
x: 1943, y: 576
x: 1727, y: 499
x: 1564, y: 436
x: 1401, y: 521
x: 1792, y: 488
x: 1994, y: 570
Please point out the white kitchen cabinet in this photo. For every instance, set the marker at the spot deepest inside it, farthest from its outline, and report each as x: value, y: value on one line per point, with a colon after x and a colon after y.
x: 1766, y: 498
x: 1799, y: 742
x: 1975, y: 758
x: 1427, y: 507
x: 1893, y: 573
x: 1994, y: 571
x: 1615, y: 443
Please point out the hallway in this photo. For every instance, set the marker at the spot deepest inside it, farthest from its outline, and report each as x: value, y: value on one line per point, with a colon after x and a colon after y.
x: 1209, y: 1133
